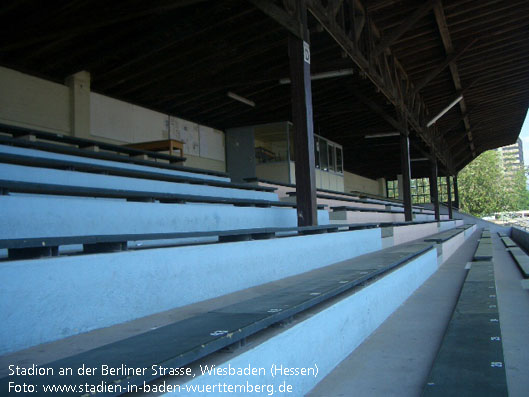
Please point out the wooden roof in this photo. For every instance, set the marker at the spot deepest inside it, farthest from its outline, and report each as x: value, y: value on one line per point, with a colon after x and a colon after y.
x: 410, y: 59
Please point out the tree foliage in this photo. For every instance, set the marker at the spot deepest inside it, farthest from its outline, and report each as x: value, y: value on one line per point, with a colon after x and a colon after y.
x: 484, y: 190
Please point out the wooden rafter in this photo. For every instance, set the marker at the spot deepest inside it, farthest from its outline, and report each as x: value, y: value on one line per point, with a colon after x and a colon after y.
x: 449, y: 50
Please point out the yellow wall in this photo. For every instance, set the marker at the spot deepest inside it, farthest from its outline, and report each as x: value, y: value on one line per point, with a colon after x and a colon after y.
x: 32, y: 102
x: 353, y: 182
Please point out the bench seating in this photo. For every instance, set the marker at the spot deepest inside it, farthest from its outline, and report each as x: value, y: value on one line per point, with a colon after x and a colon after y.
x: 449, y: 240
x: 470, y: 360
x: 484, y: 250
x: 521, y: 259
x: 132, y: 195
x: 338, y: 199
x: 35, y: 247
x: 508, y: 242
x: 58, y: 143
x: 518, y: 254
x: 180, y: 343
x: 447, y: 234
x: 335, y: 200
x: 67, y: 178
x: 73, y: 164
x: 75, y: 156
x: 84, y: 211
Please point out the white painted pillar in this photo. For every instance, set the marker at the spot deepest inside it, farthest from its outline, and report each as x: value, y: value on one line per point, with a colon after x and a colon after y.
x: 79, y: 85
x: 382, y: 191
x: 401, y: 186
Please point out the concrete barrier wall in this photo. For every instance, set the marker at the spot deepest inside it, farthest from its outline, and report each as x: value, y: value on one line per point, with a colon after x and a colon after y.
x: 53, y: 298
x: 31, y: 216
x: 470, y: 230
x: 364, y: 217
x: 450, y: 246
x: 328, y: 337
x: 403, y: 234
x: 281, y: 190
x: 521, y: 237
x: 424, y: 217
x: 446, y: 225
x: 337, y: 203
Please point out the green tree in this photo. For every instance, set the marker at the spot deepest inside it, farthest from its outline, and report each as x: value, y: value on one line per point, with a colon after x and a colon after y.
x: 517, y: 191
x: 482, y: 187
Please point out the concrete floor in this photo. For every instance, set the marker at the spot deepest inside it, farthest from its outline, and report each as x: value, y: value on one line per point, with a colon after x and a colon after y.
x: 513, y: 302
x: 396, y: 359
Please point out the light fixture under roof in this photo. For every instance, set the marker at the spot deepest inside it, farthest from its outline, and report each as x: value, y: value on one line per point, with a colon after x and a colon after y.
x: 382, y: 135
x: 444, y: 111
x: 241, y: 99
x: 323, y: 75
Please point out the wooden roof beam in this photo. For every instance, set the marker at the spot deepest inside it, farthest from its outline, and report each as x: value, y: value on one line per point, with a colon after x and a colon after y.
x: 289, y: 22
x: 449, y: 50
x: 387, y: 75
x: 449, y: 60
x: 387, y: 40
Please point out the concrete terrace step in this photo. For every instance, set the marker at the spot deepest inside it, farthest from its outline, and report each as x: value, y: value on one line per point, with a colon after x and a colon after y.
x: 179, y: 344
x: 470, y: 360
x: 6, y: 148
x: 73, y: 164
x: 26, y: 248
x: 44, y: 216
x: 508, y: 242
x: 25, y: 174
x: 404, y: 346
x: 176, y: 277
x: 484, y: 251
x: 447, y: 234
x: 521, y: 259
x: 90, y: 149
x: 69, y: 145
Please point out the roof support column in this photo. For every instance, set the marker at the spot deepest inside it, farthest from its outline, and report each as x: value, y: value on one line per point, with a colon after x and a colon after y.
x: 434, y: 193
x: 299, y: 54
x: 79, y: 86
x: 456, y: 193
x: 449, y: 192
x: 406, y: 176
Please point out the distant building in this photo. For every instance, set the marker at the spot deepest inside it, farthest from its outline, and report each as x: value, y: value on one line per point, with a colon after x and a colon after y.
x: 512, y: 157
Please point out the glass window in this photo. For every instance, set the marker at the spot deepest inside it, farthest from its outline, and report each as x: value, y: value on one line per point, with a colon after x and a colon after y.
x: 317, y: 151
x: 323, y: 155
x: 339, y: 160
x: 392, y: 189
x: 331, y: 157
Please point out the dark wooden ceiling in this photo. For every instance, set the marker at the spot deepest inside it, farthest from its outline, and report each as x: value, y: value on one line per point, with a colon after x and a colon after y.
x: 182, y: 57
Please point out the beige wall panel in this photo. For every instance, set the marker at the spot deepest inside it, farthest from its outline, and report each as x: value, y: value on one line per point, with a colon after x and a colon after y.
x: 29, y: 101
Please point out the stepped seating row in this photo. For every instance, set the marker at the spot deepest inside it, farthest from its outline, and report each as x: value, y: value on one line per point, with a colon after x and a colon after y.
x: 351, y: 214
x: 37, y: 247
x: 517, y: 253
x: 65, y: 197
x: 102, y: 179
x: 34, y: 158
x: 470, y: 359
x: 47, y: 206
x: 96, y: 150
x: 484, y: 250
x: 337, y: 198
x: 449, y: 240
x: 285, y: 190
x: 180, y: 343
